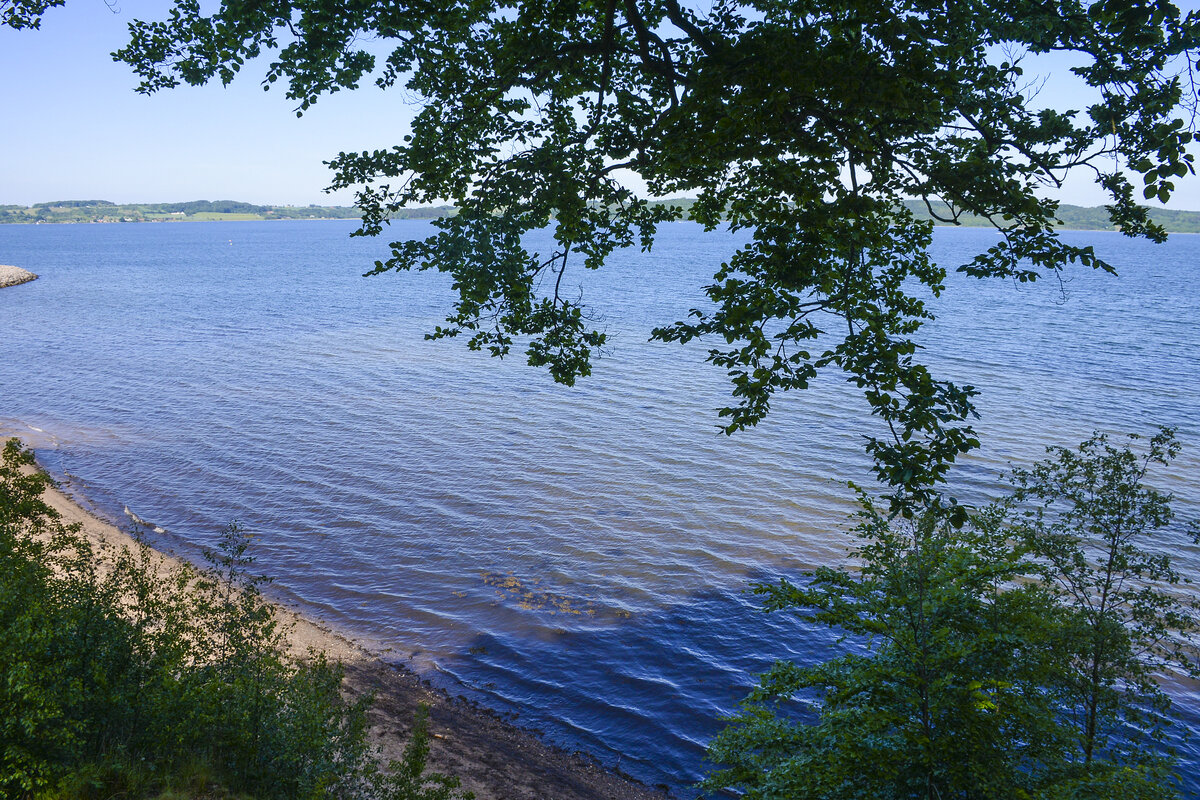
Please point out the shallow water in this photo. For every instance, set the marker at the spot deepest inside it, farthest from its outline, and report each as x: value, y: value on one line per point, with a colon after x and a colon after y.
x: 575, y: 555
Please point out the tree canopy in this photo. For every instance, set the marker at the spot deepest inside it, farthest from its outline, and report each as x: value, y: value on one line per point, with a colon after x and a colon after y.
x: 807, y: 123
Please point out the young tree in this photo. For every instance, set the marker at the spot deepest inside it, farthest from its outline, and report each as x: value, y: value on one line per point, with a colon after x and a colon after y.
x: 1101, y: 537
x: 1017, y: 656
x: 806, y: 123
x: 940, y: 696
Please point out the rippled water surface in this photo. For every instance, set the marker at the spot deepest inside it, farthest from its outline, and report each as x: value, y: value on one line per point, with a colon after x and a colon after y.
x: 577, y: 555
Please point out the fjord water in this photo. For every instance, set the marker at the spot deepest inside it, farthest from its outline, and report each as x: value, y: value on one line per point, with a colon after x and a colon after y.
x: 576, y: 557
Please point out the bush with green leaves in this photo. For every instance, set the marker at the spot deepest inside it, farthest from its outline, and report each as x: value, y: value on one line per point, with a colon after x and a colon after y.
x: 120, y: 674
x: 1102, y: 542
x: 1012, y: 656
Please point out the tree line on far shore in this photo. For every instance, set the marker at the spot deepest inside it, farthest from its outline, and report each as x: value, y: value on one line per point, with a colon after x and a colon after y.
x: 1071, y: 217
x: 76, y: 211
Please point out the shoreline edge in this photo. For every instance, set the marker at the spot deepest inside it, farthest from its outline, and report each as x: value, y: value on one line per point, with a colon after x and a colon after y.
x: 494, y: 759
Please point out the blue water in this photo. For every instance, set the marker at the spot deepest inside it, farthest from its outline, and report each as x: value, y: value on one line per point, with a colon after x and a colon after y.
x: 576, y: 557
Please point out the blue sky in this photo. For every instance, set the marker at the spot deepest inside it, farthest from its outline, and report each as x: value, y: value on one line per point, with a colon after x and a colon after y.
x: 73, y: 127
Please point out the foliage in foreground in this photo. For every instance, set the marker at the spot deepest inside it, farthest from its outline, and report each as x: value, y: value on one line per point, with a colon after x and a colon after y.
x: 121, y: 676
x: 1012, y: 657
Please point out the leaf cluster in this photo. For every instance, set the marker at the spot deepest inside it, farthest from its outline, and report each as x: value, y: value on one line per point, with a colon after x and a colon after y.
x: 25, y: 14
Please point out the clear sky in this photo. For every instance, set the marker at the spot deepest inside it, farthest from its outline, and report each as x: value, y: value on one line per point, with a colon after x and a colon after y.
x: 72, y: 127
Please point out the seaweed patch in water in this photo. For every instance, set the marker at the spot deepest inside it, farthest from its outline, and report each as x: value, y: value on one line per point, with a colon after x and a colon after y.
x: 530, y: 598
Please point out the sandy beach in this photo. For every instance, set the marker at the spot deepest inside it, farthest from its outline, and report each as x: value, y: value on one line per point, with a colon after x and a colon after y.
x: 493, y: 758
x: 11, y: 276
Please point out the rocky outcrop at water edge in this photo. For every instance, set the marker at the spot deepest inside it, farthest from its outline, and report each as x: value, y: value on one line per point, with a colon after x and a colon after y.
x: 11, y: 276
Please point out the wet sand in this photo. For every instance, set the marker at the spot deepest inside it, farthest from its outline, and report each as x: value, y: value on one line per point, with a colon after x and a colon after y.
x: 494, y: 759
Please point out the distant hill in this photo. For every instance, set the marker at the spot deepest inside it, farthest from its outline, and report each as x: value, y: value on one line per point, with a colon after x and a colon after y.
x: 1080, y: 218
x: 78, y: 211
x: 1075, y: 218
x: 1072, y: 217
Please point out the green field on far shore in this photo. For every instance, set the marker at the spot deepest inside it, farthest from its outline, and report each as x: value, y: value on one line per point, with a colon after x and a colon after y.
x: 83, y: 211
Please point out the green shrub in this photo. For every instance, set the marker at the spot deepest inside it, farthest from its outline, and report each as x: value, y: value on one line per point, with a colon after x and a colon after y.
x: 121, y: 674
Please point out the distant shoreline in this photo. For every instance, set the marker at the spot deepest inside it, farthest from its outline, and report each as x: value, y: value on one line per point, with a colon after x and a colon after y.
x: 195, y: 221
x: 1073, y: 218
x: 103, y: 211
x: 426, y: 219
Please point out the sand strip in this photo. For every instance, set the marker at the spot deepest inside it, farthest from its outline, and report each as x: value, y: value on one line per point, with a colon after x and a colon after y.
x: 494, y: 759
x: 11, y: 276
